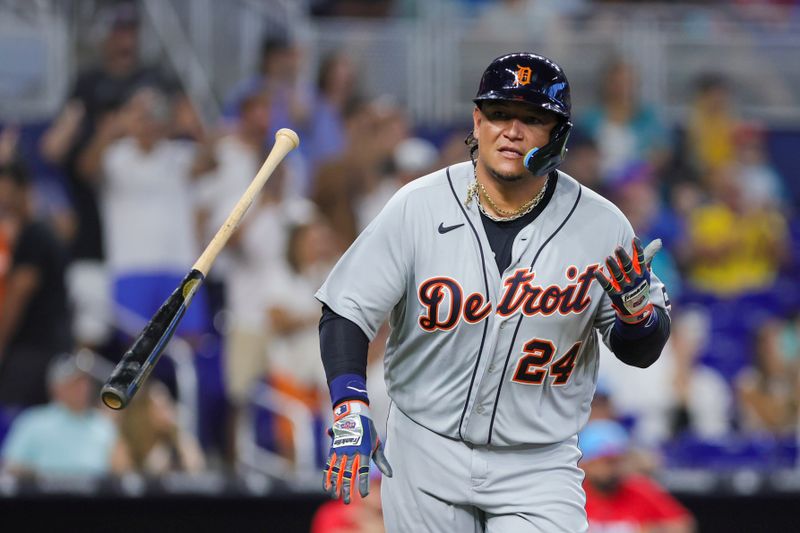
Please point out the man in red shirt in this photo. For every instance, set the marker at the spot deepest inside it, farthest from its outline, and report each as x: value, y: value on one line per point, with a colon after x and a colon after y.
x: 617, y: 500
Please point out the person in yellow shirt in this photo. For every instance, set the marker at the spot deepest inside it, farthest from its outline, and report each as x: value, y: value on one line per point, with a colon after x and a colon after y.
x: 735, y: 246
x: 711, y: 124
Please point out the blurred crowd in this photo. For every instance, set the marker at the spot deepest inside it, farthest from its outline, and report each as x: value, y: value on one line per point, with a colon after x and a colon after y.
x: 102, y: 214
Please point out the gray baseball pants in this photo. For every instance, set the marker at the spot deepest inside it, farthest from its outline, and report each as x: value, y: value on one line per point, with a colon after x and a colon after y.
x: 442, y: 485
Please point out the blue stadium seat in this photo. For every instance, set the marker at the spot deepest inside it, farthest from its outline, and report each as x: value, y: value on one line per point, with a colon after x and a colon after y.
x: 732, y: 452
x: 7, y: 416
x: 728, y: 353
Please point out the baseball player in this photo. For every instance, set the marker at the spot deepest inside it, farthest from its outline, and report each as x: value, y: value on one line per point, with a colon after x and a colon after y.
x: 496, y: 277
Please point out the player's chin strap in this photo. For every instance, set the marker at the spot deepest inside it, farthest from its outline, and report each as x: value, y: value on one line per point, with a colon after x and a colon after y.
x: 540, y: 161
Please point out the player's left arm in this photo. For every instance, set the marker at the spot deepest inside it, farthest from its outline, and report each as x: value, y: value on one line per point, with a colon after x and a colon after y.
x: 640, y: 329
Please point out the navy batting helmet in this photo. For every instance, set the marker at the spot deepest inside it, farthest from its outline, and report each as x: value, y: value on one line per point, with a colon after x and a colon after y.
x: 535, y: 80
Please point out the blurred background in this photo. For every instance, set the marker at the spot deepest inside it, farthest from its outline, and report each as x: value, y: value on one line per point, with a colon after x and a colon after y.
x: 128, y: 130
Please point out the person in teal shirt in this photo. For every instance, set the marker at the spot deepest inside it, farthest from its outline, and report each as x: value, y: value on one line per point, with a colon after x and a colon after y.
x: 624, y: 127
x: 68, y: 436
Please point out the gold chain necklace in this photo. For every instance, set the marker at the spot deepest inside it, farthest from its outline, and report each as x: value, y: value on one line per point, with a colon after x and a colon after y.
x: 506, y: 216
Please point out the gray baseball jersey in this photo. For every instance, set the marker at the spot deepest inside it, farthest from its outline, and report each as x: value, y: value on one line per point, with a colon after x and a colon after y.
x: 488, y: 357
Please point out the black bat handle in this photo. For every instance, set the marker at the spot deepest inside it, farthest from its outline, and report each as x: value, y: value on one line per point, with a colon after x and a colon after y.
x: 137, y: 363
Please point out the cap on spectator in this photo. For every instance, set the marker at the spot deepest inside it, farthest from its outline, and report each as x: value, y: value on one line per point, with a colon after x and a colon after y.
x: 602, y: 438
x: 415, y: 155
x: 65, y: 366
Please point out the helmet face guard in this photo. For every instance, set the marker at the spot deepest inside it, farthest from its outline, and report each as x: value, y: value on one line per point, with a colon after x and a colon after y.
x: 540, y: 82
x: 541, y: 161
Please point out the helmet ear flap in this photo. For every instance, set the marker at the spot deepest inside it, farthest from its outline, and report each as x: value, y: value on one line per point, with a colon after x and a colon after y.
x: 543, y: 160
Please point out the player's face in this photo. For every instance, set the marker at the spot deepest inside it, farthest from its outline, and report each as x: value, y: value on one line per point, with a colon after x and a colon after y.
x: 506, y: 131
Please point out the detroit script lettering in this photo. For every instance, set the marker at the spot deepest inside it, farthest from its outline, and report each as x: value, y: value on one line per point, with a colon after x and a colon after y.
x: 520, y: 293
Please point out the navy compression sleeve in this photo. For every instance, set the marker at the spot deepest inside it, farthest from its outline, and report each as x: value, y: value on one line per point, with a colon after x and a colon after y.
x: 344, y: 348
x: 643, y: 351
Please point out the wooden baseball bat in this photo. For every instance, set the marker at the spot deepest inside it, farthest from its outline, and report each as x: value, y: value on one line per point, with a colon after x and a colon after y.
x: 140, y: 359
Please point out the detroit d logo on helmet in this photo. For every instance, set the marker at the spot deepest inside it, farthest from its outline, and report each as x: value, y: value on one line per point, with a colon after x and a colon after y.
x: 522, y: 76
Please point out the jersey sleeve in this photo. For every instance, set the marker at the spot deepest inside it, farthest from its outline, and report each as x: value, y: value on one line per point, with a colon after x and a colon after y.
x: 604, y: 319
x: 370, y: 279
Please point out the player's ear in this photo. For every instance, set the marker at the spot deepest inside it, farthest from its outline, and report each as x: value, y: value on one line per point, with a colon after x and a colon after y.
x: 476, y: 121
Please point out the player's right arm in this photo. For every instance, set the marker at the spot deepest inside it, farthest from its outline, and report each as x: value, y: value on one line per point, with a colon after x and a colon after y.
x: 369, y: 280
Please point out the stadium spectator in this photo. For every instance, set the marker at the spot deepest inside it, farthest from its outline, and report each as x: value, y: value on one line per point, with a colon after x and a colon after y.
x: 337, y: 86
x: 618, y: 499
x: 583, y: 162
x: 147, y: 209
x: 34, y: 318
x: 291, y: 98
x: 226, y: 167
x: 97, y: 95
x: 734, y: 246
x: 636, y: 193
x: 8, y: 153
x: 254, y: 253
x: 702, y: 400
x: 769, y: 391
x: 451, y: 148
x: 711, y: 124
x: 675, y: 395
x: 761, y: 184
x: 293, y: 318
x: 374, y: 129
x: 411, y: 158
x: 229, y: 165
x: 393, y: 156
x: 521, y: 21
x: 152, y: 436
x: 279, y: 75
x: 624, y: 128
x: 69, y: 435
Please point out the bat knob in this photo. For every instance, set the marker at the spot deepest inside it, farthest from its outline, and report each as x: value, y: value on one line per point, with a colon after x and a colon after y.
x: 113, y: 398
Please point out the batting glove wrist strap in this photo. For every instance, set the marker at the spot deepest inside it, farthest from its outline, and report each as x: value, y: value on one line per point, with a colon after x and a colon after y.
x: 627, y: 283
x: 354, y: 441
x: 348, y: 387
x: 636, y: 331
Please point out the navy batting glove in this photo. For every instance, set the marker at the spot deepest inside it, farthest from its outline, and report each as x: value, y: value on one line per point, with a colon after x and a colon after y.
x: 628, y: 281
x: 353, y: 442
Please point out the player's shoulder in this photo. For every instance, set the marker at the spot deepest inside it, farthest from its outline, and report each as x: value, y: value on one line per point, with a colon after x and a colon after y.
x: 438, y: 185
x: 439, y: 179
x: 35, y: 417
